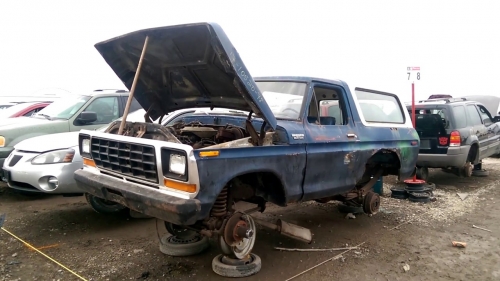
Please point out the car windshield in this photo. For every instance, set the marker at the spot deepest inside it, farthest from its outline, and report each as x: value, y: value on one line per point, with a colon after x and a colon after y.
x: 64, y: 108
x: 284, y: 98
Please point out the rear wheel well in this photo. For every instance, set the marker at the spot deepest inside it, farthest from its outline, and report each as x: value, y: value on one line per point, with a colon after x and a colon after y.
x: 250, y: 186
x: 388, y: 160
x: 473, y: 156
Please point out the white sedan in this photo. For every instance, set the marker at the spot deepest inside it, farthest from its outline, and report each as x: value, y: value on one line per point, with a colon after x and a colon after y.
x: 46, y: 164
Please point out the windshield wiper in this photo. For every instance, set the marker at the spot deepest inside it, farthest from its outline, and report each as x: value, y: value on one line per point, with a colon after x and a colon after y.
x: 45, y: 115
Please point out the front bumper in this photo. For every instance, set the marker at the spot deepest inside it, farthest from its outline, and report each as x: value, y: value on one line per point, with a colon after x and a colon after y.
x: 4, y: 154
x: 456, y: 157
x: 27, y: 177
x: 149, y: 201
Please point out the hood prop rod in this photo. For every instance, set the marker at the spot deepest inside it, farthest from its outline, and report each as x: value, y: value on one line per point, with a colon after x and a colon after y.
x: 132, y: 90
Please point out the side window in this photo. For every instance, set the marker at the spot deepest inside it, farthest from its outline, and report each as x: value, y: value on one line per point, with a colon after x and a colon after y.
x: 329, y: 105
x: 474, y: 118
x: 106, y: 109
x: 379, y: 107
x: 485, y: 115
x: 459, y: 116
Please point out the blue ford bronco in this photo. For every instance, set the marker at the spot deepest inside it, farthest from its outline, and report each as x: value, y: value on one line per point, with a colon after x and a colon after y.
x: 285, y: 140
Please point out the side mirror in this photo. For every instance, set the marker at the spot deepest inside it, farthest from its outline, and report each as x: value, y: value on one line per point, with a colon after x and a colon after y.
x: 87, y: 117
x: 496, y: 119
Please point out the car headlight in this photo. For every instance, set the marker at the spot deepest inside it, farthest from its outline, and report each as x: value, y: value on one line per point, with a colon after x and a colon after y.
x: 52, y: 157
x: 2, y: 141
x: 177, y: 164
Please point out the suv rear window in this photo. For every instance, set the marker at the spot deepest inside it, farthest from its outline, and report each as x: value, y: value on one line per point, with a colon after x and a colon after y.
x: 441, y: 112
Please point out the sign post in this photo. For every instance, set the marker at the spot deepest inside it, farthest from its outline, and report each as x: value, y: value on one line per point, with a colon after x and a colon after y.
x: 415, y: 70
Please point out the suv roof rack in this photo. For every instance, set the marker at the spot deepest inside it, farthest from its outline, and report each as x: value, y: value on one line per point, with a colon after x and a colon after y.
x: 446, y: 100
x: 116, y: 90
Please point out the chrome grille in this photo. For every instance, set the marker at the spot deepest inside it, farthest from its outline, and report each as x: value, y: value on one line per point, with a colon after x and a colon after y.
x: 129, y: 159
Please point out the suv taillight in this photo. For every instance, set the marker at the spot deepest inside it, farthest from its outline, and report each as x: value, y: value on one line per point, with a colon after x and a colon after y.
x: 455, y: 138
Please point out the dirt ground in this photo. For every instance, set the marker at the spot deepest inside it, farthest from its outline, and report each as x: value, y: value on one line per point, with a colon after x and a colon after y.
x: 403, y: 233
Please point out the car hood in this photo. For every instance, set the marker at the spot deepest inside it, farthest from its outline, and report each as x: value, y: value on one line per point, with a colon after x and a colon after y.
x: 190, y: 65
x: 49, y: 142
x: 12, y: 122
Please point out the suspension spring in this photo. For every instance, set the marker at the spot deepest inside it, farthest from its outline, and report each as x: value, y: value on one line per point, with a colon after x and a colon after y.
x: 220, y: 206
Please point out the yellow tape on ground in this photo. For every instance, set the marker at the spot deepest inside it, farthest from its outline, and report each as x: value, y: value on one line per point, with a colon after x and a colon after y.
x: 40, y: 252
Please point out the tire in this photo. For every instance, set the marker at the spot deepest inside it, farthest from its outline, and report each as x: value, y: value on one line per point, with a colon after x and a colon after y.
x: 343, y: 208
x: 480, y: 173
x: 245, y: 270
x: 169, y: 246
x: 423, y: 173
x: 103, y: 206
x: 423, y: 197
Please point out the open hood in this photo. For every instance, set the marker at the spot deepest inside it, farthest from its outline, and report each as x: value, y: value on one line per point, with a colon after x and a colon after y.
x: 190, y: 65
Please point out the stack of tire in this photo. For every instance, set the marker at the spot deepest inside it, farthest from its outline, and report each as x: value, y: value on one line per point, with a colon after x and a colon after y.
x: 417, y: 192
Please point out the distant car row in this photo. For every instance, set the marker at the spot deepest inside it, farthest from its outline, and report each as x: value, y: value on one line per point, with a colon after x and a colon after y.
x: 18, y: 109
x: 39, y: 152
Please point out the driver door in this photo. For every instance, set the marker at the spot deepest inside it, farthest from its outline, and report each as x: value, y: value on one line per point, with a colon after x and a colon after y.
x: 493, y: 131
x: 330, y: 144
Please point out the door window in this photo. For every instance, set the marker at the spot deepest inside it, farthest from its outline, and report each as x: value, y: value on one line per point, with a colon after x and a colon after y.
x: 328, y: 105
x: 474, y: 118
x: 106, y: 109
x: 485, y: 115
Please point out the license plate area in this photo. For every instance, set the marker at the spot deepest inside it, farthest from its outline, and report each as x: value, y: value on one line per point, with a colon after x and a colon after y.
x: 425, y: 144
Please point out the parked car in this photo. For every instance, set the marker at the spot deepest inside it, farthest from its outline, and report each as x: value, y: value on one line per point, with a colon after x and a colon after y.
x: 192, y: 174
x: 25, y: 109
x: 70, y: 114
x: 455, y: 134
x: 5, y: 105
x: 45, y: 164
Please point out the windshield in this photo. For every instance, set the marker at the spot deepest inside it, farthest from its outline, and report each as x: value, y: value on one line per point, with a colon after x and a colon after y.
x: 64, y: 108
x: 284, y: 98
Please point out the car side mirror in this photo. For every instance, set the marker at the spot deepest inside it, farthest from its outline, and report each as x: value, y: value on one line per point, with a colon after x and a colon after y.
x: 87, y: 117
x: 496, y: 119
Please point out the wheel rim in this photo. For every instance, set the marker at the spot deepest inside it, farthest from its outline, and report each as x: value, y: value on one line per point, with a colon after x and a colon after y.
x: 178, y: 240
x: 179, y: 231
x: 239, y: 249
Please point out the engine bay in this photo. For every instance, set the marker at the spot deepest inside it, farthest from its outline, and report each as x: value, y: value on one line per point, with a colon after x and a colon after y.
x: 195, y: 133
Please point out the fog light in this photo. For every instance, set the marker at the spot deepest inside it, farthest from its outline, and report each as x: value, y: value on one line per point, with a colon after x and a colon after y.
x: 53, y: 182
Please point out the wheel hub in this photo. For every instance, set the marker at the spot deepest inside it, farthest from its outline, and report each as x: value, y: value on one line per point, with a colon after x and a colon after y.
x: 371, y: 203
x: 238, y: 237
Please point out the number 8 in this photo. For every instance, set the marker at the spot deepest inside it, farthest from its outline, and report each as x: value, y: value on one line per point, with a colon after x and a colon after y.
x: 418, y: 75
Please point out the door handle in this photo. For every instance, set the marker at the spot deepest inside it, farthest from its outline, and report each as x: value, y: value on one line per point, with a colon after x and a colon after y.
x: 352, y: 136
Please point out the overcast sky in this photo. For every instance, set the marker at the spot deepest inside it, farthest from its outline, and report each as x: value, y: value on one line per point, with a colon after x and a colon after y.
x: 49, y: 45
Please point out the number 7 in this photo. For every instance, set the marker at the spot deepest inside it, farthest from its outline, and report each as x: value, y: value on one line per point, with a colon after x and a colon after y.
x: 408, y: 75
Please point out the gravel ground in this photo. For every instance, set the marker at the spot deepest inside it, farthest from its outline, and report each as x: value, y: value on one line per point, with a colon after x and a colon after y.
x: 402, y: 235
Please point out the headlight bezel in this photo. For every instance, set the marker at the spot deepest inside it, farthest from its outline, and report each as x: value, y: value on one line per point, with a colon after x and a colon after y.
x: 81, y: 138
x: 65, y: 156
x: 166, y: 154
